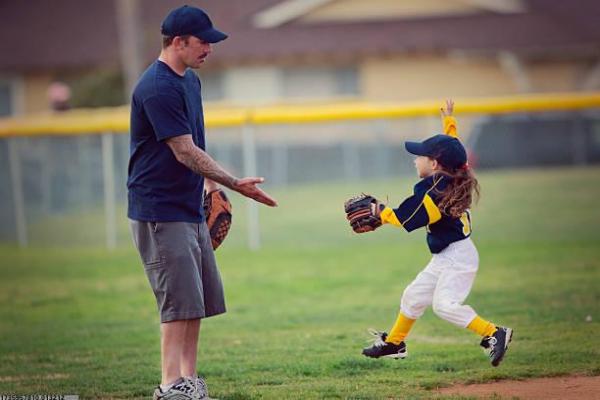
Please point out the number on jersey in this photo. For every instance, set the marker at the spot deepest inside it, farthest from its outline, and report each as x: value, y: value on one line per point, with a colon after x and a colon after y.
x: 465, y: 219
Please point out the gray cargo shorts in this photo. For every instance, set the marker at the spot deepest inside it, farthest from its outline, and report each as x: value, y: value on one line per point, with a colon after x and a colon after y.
x: 180, y: 265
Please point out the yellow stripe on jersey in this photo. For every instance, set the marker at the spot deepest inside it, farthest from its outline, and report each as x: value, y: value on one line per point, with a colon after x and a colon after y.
x: 420, y: 204
x: 450, y: 126
x: 388, y: 216
x: 433, y: 212
x: 466, y: 223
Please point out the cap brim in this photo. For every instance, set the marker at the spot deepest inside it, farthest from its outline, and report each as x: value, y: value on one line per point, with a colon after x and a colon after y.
x: 211, y: 35
x: 415, y: 148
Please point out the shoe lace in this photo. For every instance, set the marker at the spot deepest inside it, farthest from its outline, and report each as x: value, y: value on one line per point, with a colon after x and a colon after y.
x: 376, y: 337
x: 186, y: 387
x: 489, y: 345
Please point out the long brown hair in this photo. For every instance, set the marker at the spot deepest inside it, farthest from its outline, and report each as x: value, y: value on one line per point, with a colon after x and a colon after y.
x: 462, y: 189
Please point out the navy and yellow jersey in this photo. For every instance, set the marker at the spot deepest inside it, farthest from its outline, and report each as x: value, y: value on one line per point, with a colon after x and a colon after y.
x: 421, y: 210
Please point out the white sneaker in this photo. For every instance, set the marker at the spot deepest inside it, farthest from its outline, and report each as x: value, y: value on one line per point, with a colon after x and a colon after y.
x: 201, y: 390
x: 181, y: 390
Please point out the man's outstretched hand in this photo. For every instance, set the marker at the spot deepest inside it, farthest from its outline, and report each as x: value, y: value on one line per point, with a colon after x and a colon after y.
x: 248, y: 187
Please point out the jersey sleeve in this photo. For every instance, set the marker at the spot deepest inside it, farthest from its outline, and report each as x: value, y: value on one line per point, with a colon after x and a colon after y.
x: 417, y: 210
x: 449, y: 125
x: 167, y: 116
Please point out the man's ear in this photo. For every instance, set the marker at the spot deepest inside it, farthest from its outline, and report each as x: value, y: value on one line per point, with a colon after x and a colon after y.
x: 178, y: 42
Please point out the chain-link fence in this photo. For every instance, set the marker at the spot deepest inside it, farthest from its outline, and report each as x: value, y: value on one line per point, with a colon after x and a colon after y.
x: 71, y: 189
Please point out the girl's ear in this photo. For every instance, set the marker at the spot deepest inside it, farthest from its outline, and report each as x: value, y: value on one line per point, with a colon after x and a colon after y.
x: 435, y: 165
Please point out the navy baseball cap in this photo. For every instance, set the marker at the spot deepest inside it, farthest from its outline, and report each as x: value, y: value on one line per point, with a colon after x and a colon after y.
x: 447, y: 150
x: 193, y: 21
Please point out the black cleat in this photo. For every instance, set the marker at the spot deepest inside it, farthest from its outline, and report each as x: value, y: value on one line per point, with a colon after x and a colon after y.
x: 497, y: 344
x: 380, y: 348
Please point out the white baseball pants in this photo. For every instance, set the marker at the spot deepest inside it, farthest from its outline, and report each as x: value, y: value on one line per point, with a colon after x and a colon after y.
x: 445, y: 283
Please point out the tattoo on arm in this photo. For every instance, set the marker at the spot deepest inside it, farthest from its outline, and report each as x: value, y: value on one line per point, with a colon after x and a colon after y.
x: 199, y: 161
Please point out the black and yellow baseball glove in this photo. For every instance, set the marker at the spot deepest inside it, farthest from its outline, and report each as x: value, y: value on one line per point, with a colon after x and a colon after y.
x: 363, y: 212
x: 217, y: 210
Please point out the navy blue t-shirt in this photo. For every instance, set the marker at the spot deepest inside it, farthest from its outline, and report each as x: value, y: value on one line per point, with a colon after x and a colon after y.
x: 164, y: 105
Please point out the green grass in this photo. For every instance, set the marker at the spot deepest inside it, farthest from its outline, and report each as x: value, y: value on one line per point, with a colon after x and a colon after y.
x: 80, y: 320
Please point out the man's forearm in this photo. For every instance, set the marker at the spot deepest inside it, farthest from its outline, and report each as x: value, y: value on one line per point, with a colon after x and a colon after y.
x: 203, y: 164
x: 197, y: 160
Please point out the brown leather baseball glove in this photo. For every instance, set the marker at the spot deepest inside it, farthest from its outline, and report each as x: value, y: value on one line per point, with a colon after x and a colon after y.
x: 217, y: 210
x: 363, y: 212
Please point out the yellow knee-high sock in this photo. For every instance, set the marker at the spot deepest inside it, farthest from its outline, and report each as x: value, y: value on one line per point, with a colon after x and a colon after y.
x: 400, y: 329
x: 482, y: 327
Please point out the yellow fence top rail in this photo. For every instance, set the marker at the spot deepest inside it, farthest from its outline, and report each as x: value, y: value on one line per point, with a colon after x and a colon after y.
x: 78, y: 122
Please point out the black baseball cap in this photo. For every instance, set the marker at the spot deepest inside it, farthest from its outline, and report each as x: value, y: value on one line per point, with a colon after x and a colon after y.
x: 188, y: 20
x: 447, y: 150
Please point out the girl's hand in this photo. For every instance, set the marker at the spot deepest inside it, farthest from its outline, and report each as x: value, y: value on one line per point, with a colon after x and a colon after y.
x: 449, y: 109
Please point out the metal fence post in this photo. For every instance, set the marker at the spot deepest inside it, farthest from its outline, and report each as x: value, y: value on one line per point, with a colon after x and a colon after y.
x: 17, y: 191
x: 46, y: 176
x: 108, y: 172
x: 249, y: 151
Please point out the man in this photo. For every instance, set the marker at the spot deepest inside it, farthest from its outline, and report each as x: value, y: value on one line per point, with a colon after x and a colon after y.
x: 167, y: 169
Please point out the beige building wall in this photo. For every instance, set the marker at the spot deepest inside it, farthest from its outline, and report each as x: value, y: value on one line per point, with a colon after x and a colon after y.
x: 35, y: 86
x: 429, y: 77
x: 394, y: 78
x: 556, y: 76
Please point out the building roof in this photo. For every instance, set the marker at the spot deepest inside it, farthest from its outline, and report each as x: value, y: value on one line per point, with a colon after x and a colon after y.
x: 63, y: 33
x: 59, y: 34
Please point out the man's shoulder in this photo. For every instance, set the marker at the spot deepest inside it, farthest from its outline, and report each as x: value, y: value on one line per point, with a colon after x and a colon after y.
x: 155, y: 83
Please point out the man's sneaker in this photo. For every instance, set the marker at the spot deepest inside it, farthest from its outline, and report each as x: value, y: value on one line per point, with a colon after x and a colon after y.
x: 181, y: 390
x: 497, y: 344
x: 201, y: 388
x: 380, y: 348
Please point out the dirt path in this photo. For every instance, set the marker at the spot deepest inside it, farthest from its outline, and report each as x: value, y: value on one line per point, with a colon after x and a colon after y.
x: 557, y: 388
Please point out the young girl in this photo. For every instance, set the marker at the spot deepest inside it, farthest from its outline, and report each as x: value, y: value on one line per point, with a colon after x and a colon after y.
x: 440, y: 203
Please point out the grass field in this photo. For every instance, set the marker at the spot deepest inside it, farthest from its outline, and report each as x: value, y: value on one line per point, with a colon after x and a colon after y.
x: 83, y: 321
